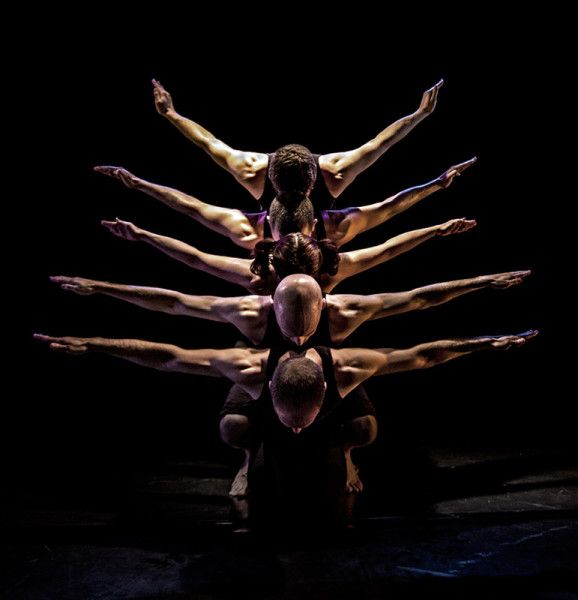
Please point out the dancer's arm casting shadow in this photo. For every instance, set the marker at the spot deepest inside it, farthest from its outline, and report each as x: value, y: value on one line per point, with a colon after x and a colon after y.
x: 355, y: 365
x: 250, y: 314
x: 294, y: 253
x: 246, y: 229
x: 347, y: 312
x: 338, y: 169
x: 247, y: 366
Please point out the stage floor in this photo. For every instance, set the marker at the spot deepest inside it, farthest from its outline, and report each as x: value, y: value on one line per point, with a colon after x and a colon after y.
x: 497, y: 524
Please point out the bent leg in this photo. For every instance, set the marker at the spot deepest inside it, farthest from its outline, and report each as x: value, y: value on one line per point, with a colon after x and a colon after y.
x: 358, y: 432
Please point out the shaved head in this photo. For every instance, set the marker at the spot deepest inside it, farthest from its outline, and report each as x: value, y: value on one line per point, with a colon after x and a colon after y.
x: 298, y: 302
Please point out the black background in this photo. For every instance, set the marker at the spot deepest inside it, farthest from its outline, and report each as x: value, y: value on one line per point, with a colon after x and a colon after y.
x: 88, y: 101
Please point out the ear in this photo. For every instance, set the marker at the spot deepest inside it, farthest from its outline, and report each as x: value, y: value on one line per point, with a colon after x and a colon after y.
x: 325, y: 386
x: 314, y: 224
x: 323, y: 303
x: 268, y: 219
x: 270, y: 382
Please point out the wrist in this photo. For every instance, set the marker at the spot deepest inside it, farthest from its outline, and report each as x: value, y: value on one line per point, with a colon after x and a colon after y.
x: 171, y: 114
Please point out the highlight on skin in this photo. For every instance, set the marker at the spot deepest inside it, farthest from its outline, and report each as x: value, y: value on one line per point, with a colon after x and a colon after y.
x: 298, y: 302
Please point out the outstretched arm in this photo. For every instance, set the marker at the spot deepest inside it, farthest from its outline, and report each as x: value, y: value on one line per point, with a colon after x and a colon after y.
x: 151, y: 298
x: 356, y: 261
x: 235, y: 270
x: 242, y: 229
x: 248, y: 168
x: 343, y: 225
x: 341, y: 168
x: 354, y: 365
x: 164, y: 357
x: 353, y: 309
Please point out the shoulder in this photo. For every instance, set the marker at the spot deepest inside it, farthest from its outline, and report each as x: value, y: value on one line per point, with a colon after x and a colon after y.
x: 248, y: 164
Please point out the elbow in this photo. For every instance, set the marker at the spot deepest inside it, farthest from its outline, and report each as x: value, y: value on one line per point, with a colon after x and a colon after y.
x: 175, y: 305
x: 423, y: 361
x: 418, y: 303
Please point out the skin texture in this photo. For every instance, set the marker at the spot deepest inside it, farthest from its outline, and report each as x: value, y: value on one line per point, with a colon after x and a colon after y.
x: 247, y: 366
x: 338, y: 169
x: 298, y: 303
x: 237, y: 270
x: 246, y: 229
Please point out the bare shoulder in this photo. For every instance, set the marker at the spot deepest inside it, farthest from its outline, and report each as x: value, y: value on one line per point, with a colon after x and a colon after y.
x: 243, y: 365
x: 249, y: 307
x: 330, y: 163
x: 248, y: 165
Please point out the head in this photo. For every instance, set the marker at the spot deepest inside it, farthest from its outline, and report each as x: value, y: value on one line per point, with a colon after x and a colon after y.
x: 298, y: 302
x: 297, y: 390
x: 287, y: 217
x: 292, y: 171
x: 295, y: 253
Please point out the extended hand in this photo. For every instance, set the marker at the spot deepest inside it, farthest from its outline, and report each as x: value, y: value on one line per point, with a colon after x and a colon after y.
x: 119, y: 173
x: 506, y: 280
x: 78, y: 285
x: 505, y: 342
x: 445, y: 179
x: 457, y: 226
x: 123, y: 229
x: 429, y: 98
x: 70, y: 345
x: 163, y: 100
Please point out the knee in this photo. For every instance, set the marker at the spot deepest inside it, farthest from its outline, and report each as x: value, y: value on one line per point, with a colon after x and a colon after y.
x: 234, y: 430
x: 361, y: 431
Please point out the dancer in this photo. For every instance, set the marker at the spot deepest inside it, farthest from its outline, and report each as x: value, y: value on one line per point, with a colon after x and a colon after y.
x: 297, y: 310
x: 293, y: 253
x: 283, y: 217
x: 296, y: 392
x: 290, y: 166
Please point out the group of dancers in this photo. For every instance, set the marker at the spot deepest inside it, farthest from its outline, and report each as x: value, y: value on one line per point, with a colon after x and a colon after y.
x: 297, y: 407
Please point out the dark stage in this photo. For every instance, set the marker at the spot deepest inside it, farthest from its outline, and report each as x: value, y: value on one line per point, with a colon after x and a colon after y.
x: 114, y: 479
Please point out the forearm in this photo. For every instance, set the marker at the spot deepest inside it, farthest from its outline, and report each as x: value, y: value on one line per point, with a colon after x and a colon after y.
x: 160, y: 300
x: 148, y: 354
x: 176, y: 249
x: 171, y: 197
x: 436, y: 353
x: 427, y: 355
x: 357, y: 261
x: 369, y: 216
x: 397, y: 131
x: 191, y: 130
x: 235, y: 270
x: 439, y: 293
x: 402, y: 201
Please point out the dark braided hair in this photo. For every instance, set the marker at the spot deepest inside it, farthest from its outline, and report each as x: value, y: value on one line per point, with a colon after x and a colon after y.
x: 288, y: 216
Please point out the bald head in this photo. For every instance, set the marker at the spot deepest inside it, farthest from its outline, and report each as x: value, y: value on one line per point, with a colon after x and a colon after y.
x: 298, y: 302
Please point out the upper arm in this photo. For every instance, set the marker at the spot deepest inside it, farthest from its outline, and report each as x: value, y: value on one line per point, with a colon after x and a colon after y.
x: 240, y: 365
x: 355, y: 365
x: 214, y: 308
x: 343, y: 225
x: 339, y: 169
x: 248, y: 168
